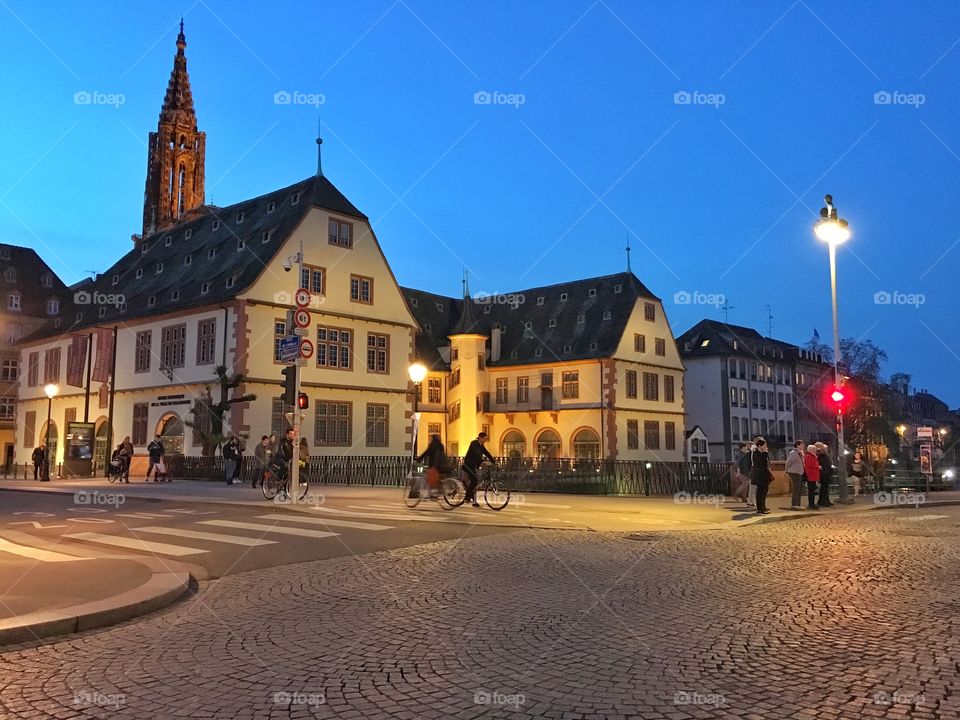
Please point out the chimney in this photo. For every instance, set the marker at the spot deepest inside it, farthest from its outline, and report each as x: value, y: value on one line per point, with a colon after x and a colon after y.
x: 495, y: 343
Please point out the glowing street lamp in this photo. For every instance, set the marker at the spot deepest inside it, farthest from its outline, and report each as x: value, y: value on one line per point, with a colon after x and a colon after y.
x: 51, y: 391
x: 417, y: 372
x: 833, y: 230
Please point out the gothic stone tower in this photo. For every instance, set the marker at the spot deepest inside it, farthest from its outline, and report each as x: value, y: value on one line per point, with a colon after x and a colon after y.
x: 175, y: 158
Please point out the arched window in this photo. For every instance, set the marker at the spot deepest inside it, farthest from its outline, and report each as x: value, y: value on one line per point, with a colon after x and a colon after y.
x: 586, y: 444
x: 548, y: 445
x: 180, y: 180
x: 171, y: 435
x: 513, y: 445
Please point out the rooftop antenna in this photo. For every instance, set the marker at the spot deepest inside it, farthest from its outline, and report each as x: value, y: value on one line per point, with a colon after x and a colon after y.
x: 628, y: 253
x: 727, y: 307
x: 769, y: 322
x: 319, y: 147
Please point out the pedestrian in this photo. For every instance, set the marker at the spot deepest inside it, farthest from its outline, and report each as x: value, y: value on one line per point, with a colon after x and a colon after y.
x: 230, y: 459
x: 262, y: 455
x: 760, y: 473
x: 39, y: 457
x: 857, y: 471
x: 471, y: 464
x: 794, y: 469
x: 121, y: 462
x: 274, y: 444
x: 811, y: 470
x: 128, y: 451
x: 155, y: 451
x: 826, y: 475
x: 747, y: 490
x: 239, y: 447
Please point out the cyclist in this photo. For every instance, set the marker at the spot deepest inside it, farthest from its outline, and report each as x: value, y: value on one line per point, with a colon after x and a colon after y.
x: 436, y: 459
x: 471, y: 464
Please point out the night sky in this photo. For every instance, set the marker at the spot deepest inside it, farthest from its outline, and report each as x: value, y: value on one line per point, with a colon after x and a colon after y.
x: 527, y: 141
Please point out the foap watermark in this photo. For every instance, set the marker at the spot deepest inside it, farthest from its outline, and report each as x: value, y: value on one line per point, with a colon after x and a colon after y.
x: 685, y: 97
x: 95, y: 698
x: 886, y: 97
x: 691, y: 697
x: 96, y: 497
x: 485, y: 97
x: 884, y: 297
x: 283, y: 297
x: 896, y: 499
x: 897, y: 698
x: 486, y: 298
x: 296, y: 97
x: 311, y: 499
x: 95, y: 97
x: 499, y: 698
x: 84, y: 297
x: 685, y: 498
x: 293, y: 697
x: 684, y: 297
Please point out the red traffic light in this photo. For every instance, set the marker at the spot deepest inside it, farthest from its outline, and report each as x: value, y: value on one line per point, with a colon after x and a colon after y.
x: 303, y: 401
x: 838, y: 396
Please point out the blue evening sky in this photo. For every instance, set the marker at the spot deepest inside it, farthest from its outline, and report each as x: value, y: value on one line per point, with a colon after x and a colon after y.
x: 717, y: 195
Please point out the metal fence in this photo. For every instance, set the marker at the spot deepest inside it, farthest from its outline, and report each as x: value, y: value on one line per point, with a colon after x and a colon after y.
x: 554, y: 475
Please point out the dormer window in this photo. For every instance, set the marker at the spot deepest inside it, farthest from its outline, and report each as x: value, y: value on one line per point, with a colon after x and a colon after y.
x: 487, y: 309
x: 581, y: 318
x: 592, y: 292
x: 139, y: 273
x: 265, y: 238
x: 566, y: 348
x: 617, y: 289
x: 122, y: 307
x: 528, y: 326
x: 593, y: 346
x: 188, y: 233
x: 428, y: 327
x: 57, y: 322
x: 79, y: 317
x: 5, y: 252
x: 116, y: 280
x: 552, y: 323
x: 175, y: 295
x: 159, y: 268
x: 540, y: 301
x: 101, y: 312
x: 241, y: 245
x: 167, y: 241
x: 205, y: 288
x: 46, y: 280
x: 144, y: 248
x: 10, y: 275
x: 271, y: 206
x: 295, y: 199
x: 607, y: 315
x: 513, y: 355
x: 239, y: 217
x: 53, y: 306
x: 413, y: 302
x: 151, y: 301
x: 211, y: 252
x: 563, y: 297
x: 188, y: 259
x: 538, y: 352
x: 231, y: 281
x: 13, y: 301
x: 440, y: 307
x: 216, y: 224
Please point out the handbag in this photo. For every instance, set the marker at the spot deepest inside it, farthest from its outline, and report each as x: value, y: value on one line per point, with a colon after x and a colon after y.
x: 161, y: 467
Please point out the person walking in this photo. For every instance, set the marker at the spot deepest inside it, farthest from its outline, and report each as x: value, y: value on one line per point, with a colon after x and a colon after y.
x: 811, y: 469
x: 230, y: 453
x: 741, y: 476
x: 155, y: 451
x: 794, y: 469
x: 38, y: 457
x: 826, y: 475
x: 471, y: 464
x: 238, y: 447
x: 857, y: 472
x: 262, y: 454
x: 128, y: 451
x: 745, y: 466
x: 760, y: 473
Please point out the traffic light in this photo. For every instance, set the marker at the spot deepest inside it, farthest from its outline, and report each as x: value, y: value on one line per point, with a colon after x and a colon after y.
x: 838, y: 396
x: 289, y: 385
x: 303, y: 401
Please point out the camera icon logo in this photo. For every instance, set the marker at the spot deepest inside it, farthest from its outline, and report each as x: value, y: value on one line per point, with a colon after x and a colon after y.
x: 882, y: 297
x: 283, y: 298
x: 682, y: 98
x: 82, y: 297
x: 282, y: 97
x: 482, y: 97
x: 882, y: 97
x: 82, y: 97
x: 682, y: 297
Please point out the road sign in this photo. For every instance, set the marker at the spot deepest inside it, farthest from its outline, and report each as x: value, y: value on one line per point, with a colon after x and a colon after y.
x: 301, y: 332
x: 306, y: 349
x: 289, y: 348
x: 289, y: 417
x: 303, y: 298
x: 925, y: 431
x: 301, y: 318
x: 301, y: 362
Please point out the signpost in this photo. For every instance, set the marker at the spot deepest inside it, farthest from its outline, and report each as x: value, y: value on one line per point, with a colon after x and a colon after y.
x: 289, y: 349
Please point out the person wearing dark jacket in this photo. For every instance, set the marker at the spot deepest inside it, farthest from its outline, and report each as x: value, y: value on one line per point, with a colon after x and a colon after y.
x: 760, y: 473
x: 471, y: 464
x: 435, y: 457
x: 231, y: 456
x: 826, y: 475
x: 262, y: 454
x: 155, y: 451
x: 38, y: 457
x: 285, y: 449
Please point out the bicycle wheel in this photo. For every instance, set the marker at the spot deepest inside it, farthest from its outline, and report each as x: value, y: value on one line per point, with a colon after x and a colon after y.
x: 454, y: 493
x: 304, y: 489
x: 270, y: 485
x: 412, y: 492
x: 496, y: 494
x: 113, y: 477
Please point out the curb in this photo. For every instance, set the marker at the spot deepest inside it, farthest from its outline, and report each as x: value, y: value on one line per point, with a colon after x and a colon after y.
x: 867, y: 508
x: 163, y: 588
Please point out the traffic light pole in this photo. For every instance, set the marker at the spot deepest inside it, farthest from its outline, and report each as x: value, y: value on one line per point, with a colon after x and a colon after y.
x: 841, y: 445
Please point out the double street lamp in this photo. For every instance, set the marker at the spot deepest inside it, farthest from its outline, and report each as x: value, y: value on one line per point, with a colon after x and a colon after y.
x: 833, y: 230
x: 51, y: 391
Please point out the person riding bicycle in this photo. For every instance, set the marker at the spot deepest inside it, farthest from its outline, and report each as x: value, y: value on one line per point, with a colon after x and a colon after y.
x: 436, y: 459
x: 471, y: 464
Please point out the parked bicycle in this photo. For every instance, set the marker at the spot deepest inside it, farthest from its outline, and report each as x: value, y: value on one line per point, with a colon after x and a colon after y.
x: 276, y: 481
x: 450, y: 494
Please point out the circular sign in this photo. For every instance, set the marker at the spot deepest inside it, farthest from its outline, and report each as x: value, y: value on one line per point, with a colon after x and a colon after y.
x: 302, y: 297
x: 301, y: 318
x: 306, y: 349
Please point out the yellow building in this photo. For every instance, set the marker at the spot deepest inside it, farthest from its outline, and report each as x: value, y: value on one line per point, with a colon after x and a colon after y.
x: 580, y: 369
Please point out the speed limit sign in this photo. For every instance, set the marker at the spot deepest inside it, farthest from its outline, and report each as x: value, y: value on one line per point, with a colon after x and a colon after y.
x: 301, y: 318
x: 303, y: 298
x: 306, y: 349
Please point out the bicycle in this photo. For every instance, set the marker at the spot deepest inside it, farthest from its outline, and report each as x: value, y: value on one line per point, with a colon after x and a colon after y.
x: 118, y: 469
x: 496, y: 493
x: 276, y: 480
x: 451, y: 492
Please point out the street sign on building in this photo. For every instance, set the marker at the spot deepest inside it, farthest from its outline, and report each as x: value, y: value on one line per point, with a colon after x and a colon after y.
x: 306, y: 349
x: 302, y: 298
x: 301, y: 318
x: 289, y: 349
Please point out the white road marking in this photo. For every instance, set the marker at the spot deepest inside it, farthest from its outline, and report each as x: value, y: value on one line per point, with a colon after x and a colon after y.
x: 302, y: 532
x: 136, y: 544
x: 922, y: 518
x: 546, y: 505
x: 324, y: 521
x: 143, y: 516
x: 214, y: 537
x: 35, y: 553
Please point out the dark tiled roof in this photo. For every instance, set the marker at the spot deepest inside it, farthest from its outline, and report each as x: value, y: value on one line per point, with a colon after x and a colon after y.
x: 564, y: 304
x: 29, y: 272
x: 721, y: 336
x: 194, y: 237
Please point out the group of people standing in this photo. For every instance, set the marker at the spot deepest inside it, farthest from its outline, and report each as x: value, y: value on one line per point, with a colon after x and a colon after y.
x: 271, y: 450
x: 809, y: 466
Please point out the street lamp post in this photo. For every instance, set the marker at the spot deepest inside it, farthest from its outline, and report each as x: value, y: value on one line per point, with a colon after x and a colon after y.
x: 417, y: 372
x: 834, y: 231
x: 51, y: 390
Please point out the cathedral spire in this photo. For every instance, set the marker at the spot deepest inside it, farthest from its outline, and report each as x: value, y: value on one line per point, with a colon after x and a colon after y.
x: 175, y: 161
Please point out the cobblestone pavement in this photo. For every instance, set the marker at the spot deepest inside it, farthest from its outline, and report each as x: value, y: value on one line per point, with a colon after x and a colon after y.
x: 827, y: 618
